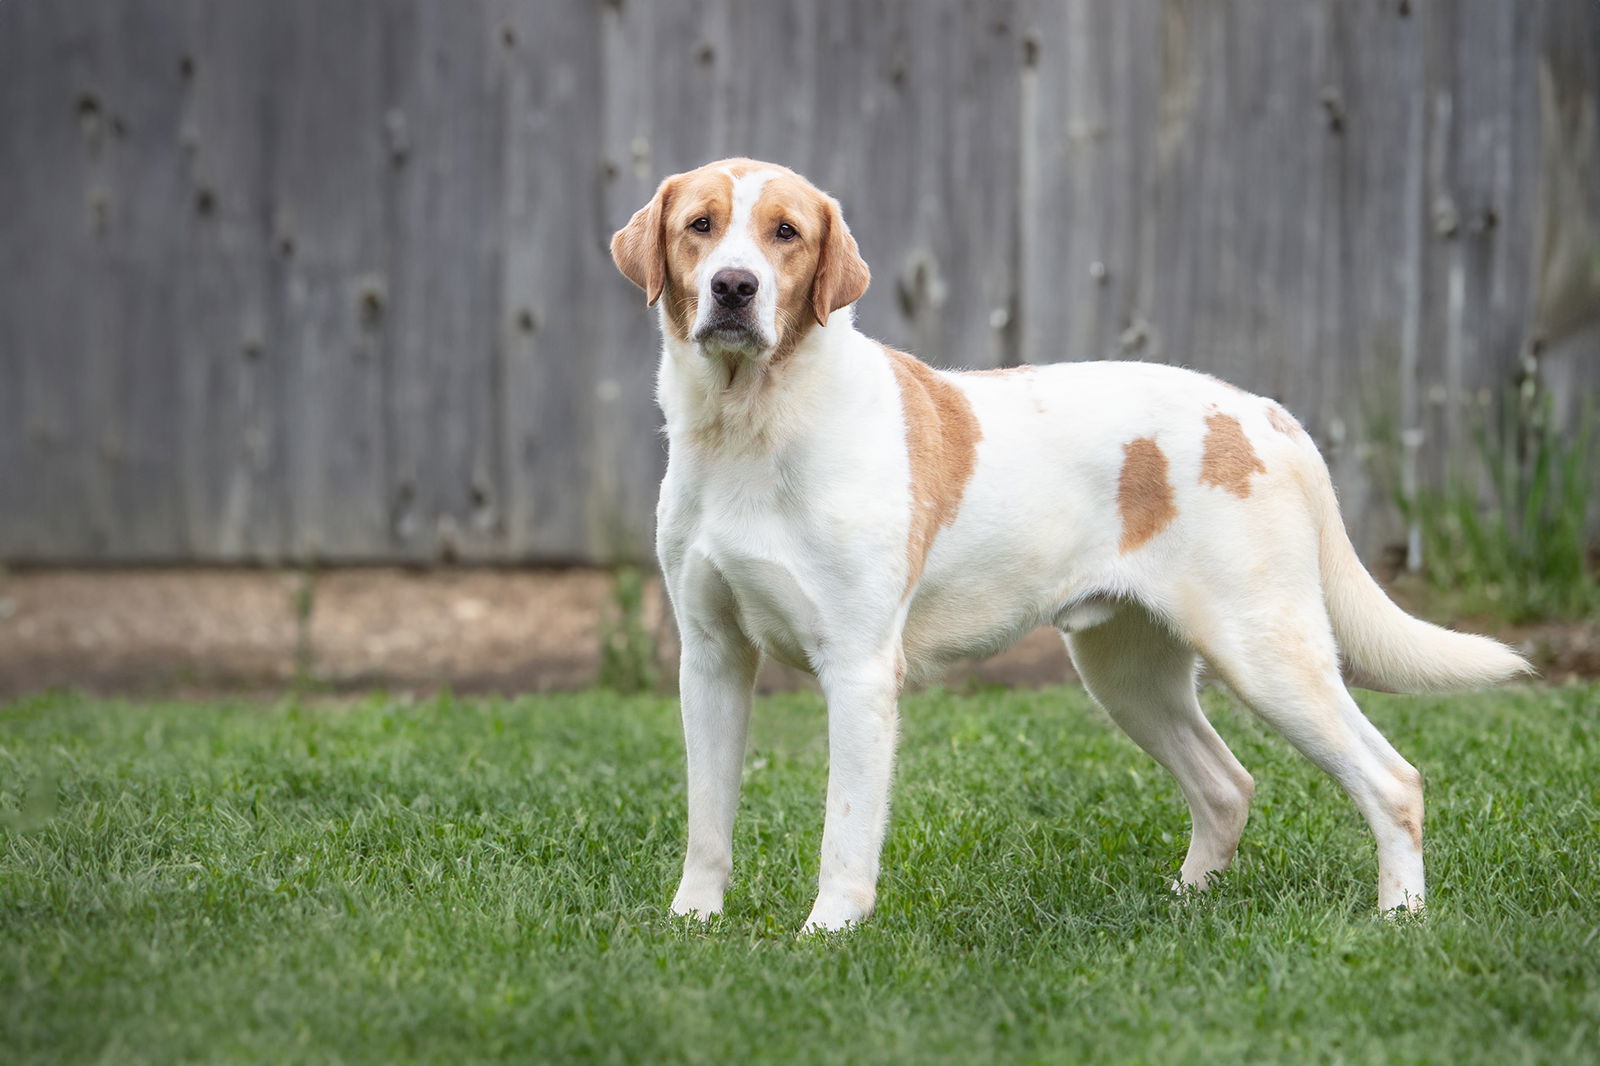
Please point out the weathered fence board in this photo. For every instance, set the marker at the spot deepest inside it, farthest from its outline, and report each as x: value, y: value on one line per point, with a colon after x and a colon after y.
x: 330, y: 280
x: 327, y: 243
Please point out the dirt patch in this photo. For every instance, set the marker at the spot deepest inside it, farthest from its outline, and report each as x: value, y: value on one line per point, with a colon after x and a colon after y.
x: 187, y: 632
x: 473, y: 630
x: 146, y: 631
x: 165, y: 632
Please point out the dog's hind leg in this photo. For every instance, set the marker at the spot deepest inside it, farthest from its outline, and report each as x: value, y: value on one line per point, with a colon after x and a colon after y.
x: 1144, y: 677
x: 1275, y: 649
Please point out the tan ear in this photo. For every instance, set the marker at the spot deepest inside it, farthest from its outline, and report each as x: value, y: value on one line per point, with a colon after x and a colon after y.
x: 842, y: 274
x: 639, y: 248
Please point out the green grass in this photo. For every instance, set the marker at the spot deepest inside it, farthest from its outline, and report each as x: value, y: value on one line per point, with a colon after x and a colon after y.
x: 479, y: 880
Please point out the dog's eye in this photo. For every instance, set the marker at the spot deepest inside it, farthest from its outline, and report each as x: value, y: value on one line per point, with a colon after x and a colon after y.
x: 701, y: 225
x: 787, y: 232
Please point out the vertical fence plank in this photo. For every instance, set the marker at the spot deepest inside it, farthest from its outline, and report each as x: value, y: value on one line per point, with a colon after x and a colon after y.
x: 47, y: 127
x: 236, y: 385
x: 442, y: 286
x: 325, y: 230
x: 125, y: 299
x: 1374, y: 106
x: 550, y: 79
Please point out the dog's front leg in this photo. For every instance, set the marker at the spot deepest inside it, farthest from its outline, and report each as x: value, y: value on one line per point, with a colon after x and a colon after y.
x: 716, y: 685
x: 862, y: 720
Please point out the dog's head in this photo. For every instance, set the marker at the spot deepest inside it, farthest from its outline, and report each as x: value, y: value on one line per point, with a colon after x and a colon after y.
x: 747, y: 255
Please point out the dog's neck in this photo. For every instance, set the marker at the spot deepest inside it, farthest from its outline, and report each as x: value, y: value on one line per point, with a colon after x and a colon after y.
x: 729, y: 403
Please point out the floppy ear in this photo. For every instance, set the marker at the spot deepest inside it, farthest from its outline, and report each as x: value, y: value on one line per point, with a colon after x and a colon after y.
x: 639, y: 250
x: 842, y: 274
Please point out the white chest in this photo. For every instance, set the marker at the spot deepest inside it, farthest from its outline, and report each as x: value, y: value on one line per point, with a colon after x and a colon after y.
x: 803, y: 574
x: 757, y: 558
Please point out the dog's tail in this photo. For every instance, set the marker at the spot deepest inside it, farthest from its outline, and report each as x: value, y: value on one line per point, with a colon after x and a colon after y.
x: 1385, y: 646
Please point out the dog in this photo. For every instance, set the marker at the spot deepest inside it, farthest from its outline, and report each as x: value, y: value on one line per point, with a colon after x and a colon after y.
x: 849, y: 510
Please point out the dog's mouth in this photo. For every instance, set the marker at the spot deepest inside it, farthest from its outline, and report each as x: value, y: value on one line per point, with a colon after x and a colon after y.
x: 730, y: 331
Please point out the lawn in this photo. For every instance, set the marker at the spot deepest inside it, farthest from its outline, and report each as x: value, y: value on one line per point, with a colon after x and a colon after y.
x: 469, y: 880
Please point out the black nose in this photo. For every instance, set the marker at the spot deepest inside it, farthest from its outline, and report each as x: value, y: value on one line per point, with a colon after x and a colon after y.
x: 733, y: 288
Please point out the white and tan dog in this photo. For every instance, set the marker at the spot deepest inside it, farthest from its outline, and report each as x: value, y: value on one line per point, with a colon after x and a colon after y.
x: 849, y: 510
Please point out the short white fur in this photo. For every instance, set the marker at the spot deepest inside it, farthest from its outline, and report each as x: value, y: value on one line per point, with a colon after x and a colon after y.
x: 782, y: 530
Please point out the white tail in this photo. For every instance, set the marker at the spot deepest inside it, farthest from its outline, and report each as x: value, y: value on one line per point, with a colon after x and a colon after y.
x: 1388, y: 648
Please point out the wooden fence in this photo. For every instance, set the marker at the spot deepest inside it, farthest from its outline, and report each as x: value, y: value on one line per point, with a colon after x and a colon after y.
x: 328, y: 280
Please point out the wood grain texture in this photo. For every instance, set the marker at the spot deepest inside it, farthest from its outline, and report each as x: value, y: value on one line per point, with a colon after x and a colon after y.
x: 301, y: 281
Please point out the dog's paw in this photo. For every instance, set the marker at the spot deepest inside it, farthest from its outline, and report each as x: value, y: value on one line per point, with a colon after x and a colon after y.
x: 689, y: 910
x: 1406, y: 910
x: 1197, y: 882
x: 697, y: 901
x: 834, y: 913
x: 1396, y: 898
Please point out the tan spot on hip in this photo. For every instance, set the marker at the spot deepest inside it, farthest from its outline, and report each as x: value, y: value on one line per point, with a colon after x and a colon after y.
x: 942, y: 437
x: 1229, y: 459
x: 1144, y: 495
x: 1283, y: 421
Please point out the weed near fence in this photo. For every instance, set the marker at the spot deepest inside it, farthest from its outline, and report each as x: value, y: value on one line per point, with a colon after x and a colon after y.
x: 1507, y: 535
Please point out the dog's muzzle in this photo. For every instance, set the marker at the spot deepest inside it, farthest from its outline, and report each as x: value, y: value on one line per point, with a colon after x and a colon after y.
x: 731, y: 323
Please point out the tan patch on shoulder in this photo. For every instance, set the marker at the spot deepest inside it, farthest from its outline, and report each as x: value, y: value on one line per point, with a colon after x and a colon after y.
x: 1144, y: 495
x: 942, y: 437
x: 1283, y: 421
x: 1229, y: 458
